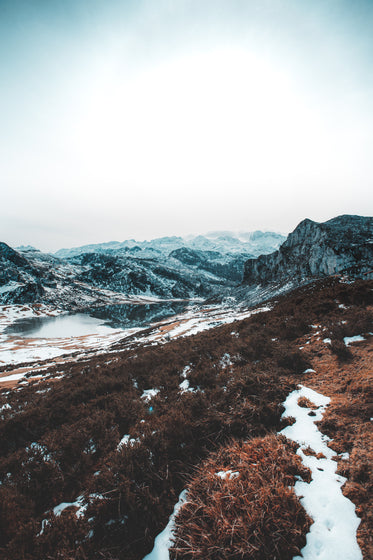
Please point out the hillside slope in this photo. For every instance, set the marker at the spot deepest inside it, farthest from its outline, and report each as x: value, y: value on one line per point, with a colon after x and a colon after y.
x: 92, y: 463
x: 29, y: 276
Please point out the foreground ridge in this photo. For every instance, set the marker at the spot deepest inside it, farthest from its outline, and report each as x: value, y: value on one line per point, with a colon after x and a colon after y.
x: 95, y: 451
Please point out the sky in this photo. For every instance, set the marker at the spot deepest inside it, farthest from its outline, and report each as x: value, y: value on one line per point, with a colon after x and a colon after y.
x: 136, y: 119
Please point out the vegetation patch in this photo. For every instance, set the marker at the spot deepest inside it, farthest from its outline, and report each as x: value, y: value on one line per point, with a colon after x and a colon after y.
x: 60, y: 438
x: 240, y: 505
x: 306, y: 403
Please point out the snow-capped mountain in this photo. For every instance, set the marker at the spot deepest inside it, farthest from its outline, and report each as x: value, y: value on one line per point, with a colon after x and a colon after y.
x: 104, y: 275
x: 210, y: 266
x: 224, y: 242
x: 29, y: 276
x: 167, y: 267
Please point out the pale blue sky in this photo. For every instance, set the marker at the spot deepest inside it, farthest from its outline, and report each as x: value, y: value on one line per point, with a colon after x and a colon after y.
x: 135, y: 119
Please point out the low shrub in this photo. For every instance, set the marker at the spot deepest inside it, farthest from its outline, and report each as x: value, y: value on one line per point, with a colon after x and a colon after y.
x: 240, y: 505
x: 342, y: 352
x: 293, y: 362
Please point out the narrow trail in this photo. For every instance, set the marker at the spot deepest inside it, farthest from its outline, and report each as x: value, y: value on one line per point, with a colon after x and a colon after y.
x: 333, y: 533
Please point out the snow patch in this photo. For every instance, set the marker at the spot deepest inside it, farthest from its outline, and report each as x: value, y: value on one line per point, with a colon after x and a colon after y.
x: 13, y: 377
x: 227, y: 474
x: 127, y: 440
x: 163, y: 541
x: 148, y: 394
x: 79, y: 504
x: 344, y: 456
x: 333, y: 533
x: 226, y: 361
x: 349, y: 339
x: 64, y: 505
x: 5, y: 406
x: 185, y: 371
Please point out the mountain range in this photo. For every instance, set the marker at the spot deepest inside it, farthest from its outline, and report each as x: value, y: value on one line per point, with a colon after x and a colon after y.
x: 249, y: 266
x: 225, y: 242
x: 168, y: 268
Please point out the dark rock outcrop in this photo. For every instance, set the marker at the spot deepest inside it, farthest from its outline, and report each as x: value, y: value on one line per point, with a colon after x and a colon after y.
x: 343, y: 245
x: 229, y: 266
x: 161, y: 277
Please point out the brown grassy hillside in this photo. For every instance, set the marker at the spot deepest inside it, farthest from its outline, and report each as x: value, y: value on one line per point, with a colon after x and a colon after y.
x: 59, y: 440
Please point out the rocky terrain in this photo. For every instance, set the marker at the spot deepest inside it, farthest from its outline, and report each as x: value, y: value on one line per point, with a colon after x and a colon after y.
x: 343, y: 245
x: 29, y: 276
x: 108, y: 273
x: 215, y: 268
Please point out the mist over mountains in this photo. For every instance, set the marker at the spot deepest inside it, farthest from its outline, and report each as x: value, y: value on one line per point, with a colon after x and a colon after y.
x: 225, y: 242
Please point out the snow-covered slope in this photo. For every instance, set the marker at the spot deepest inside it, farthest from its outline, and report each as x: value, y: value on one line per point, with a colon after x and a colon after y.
x: 91, y: 279
x: 29, y: 276
x: 163, y: 277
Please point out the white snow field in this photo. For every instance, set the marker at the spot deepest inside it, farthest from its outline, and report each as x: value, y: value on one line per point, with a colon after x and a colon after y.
x: 332, y: 535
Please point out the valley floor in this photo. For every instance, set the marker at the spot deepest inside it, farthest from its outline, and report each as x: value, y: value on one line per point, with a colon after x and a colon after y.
x: 26, y: 358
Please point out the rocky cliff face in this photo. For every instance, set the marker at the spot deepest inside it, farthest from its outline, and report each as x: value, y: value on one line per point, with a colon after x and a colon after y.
x: 343, y: 245
x: 18, y: 279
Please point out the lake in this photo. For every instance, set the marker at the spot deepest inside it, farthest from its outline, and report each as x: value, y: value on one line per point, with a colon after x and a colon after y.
x: 100, y: 320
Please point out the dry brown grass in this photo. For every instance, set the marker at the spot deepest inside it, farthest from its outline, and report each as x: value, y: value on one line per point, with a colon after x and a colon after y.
x: 347, y: 418
x: 98, y: 401
x: 306, y: 403
x: 255, y: 515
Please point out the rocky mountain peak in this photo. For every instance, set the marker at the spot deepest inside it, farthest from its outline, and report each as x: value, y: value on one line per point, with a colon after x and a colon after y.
x: 305, y: 231
x: 10, y: 255
x: 343, y: 245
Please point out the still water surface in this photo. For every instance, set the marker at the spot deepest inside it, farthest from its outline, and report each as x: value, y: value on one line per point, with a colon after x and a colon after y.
x: 101, y: 320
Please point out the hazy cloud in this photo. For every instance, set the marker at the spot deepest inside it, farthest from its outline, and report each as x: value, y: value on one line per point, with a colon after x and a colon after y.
x: 138, y: 119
